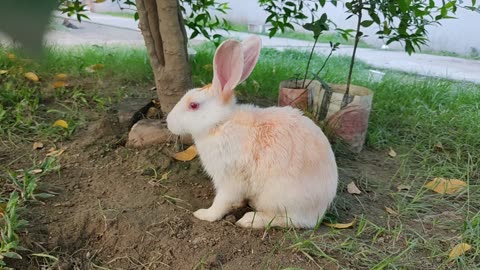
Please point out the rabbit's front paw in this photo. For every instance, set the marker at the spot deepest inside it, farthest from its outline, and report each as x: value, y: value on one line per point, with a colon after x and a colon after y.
x: 207, y: 214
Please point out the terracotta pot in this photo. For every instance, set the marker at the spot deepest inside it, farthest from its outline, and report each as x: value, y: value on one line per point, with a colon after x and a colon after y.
x: 349, y: 124
x: 292, y: 94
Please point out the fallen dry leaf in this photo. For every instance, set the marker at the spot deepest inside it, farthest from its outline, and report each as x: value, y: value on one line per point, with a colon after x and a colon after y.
x: 37, y: 145
x: 446, y: 186
x: 61, y: 123
x: 59, y: 84
x: 3, y: 206
x: 391, y: 211
x: 165, y: 176
x: 94, y: 68
x: 61, y: 76
x: 353, y: 189
x: 153, y: 113
x: 439, y: 146
x: 36, y: 171
x: 339, y: 225
x: 459, y: 250
x: 403, y: 187
x: 3, y: 71
x: 54, y: 152
x: 208, y: 67
x: 392, y: 153
x: 31, y: 76
x: 186, y: 155
x: 11, y: 56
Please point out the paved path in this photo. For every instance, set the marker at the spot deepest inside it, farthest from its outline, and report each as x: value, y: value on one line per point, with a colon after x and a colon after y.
x: 104, y: 29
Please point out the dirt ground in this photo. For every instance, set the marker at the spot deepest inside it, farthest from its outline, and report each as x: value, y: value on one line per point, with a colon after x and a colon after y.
x: 118, y: 208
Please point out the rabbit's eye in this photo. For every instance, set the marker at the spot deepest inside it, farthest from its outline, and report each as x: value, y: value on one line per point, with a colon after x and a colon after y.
x: 194, y: 105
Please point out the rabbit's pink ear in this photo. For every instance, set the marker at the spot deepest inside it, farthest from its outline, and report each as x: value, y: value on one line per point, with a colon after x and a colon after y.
x: 251, y: 51
x: 227, y: 68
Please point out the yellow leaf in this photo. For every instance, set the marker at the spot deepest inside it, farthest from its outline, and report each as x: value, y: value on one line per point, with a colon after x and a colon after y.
x: 11, y: 56
x: 99, y: 1
x: 37, y: 145
x: 31, y: 76
x: 59, y: 84
x: 392, y: 153
x: 61, y: 76
x: 60, y: 123
x: 391, y: 211
x: 353, y: 189
x: 94, y: 68
x: 3, y: 71
x: 55, y: 153
x: 339, y: 225
x: 186, y: 155
x: 459, y: 250
x: 444, y: 186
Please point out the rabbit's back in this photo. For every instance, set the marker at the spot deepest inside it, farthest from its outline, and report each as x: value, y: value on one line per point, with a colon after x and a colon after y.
x: 259, y: 143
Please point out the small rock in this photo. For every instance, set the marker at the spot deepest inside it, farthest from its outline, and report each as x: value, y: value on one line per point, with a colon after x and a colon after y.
x: 213, y: 261
x: 231, y: 218
x: 198, y: 240
x: 148, y: 132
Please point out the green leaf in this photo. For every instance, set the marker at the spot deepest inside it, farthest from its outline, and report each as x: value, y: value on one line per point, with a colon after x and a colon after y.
x: 403, y: 5
x: 12, y: 255
x: 322, y: 2
x: 366, y: 23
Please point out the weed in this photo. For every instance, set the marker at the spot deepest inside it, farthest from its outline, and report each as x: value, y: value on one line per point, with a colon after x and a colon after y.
x: 10, y: 224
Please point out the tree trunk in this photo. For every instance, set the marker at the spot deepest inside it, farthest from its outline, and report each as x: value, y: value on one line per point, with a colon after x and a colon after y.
x: 162, y: 26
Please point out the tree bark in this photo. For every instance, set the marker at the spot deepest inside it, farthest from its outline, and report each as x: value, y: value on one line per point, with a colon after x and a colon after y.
x: 163, y: 30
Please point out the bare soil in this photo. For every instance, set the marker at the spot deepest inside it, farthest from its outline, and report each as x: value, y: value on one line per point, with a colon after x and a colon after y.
x: 114, y: 209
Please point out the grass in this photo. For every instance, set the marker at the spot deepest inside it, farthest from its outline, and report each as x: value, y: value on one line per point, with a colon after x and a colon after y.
x: 473, y: 55
x: 119, y: 14
x: 28, y: 109
x: 23, y: 188
x: 431, y: 123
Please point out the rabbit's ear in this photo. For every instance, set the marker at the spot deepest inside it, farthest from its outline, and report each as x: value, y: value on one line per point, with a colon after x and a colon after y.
x: 251, y: 51
x: 227, y: 68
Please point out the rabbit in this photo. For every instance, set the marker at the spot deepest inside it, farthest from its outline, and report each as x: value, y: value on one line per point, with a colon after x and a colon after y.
x: 275, y: 159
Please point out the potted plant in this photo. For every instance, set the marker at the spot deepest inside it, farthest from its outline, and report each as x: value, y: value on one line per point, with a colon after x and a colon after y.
x: 344, y: 109
x: 298, y: 91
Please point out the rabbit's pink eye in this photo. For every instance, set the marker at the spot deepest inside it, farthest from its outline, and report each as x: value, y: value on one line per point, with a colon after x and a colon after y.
x: 194, y: 105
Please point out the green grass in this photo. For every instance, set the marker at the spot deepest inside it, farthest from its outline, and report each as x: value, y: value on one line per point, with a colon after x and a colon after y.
x: 119, y: 14
x: 28, y: 109
x: 324, y: 38
x: 19, y: 190
x: 473, y: 55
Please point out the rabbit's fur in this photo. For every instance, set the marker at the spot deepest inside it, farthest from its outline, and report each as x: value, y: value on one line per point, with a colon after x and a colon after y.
x: 275, y: 159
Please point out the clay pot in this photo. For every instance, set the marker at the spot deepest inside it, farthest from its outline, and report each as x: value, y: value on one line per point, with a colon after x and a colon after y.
x: 349, y: 124
x: 292, y: 94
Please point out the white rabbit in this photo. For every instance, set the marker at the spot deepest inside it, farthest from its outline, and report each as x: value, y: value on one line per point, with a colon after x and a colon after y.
x: 275, y: 159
